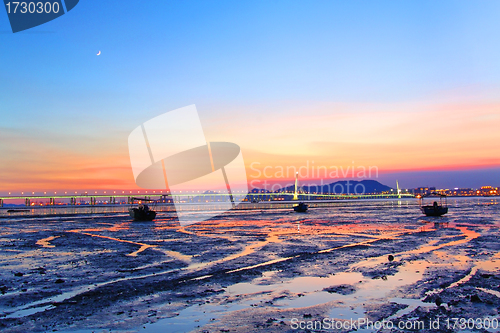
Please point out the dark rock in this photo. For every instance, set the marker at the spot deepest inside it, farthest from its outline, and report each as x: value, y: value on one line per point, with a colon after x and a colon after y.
x: 391, y: 257
x: 40, y: 270
x: 438, y: 301
x: 343, y: 289
x: 475, y: 298
x: 209, y: 291
x: 18, y: 274
x: 307, y: 315
x: 59, y: 281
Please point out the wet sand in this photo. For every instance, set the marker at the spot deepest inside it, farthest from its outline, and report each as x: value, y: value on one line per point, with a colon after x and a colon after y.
x: 247, y: 271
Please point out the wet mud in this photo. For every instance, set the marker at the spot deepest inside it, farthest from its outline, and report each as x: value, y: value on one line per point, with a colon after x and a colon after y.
x: 247, y: 271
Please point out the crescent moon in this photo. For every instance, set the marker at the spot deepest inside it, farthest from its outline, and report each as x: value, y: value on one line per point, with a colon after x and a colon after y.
x: 99, y: 53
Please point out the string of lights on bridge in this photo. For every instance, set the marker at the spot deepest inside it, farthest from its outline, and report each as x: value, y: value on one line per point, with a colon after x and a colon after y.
x: 77, y: 198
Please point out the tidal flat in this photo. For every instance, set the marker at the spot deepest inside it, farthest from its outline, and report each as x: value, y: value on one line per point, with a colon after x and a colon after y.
x: 270, y: 270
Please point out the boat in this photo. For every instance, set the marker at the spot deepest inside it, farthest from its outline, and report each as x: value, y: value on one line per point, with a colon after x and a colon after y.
x: 142, y: 212
x: 301, y: 207
x: 436, y: 209
x: 17, y: 210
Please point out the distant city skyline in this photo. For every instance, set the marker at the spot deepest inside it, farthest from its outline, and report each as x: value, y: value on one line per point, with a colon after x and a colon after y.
x: 409, y: 87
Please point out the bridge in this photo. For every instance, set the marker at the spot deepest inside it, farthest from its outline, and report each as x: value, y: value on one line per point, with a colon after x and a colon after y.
x: 189, y: 196
x: 127, y: 197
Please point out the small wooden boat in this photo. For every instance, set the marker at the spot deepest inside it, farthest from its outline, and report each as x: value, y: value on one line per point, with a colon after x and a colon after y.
x: 142, y: 212
x: 436, y: 209
x: 301, y: 207
x: 17, y: 210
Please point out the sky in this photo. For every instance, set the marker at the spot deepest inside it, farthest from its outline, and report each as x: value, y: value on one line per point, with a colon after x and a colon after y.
x: 410, y: 87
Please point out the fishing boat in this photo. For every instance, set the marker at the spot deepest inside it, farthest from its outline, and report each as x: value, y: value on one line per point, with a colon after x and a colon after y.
x: 301, y: 207
x: 142, y: 212
x: 436, y: 209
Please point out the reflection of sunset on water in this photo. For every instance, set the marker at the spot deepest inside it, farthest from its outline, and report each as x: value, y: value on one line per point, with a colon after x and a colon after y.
x: 254, y: 259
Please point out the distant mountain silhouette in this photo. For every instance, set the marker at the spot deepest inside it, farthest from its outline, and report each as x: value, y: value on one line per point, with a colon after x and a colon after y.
x: 339, y: 187
x: 349, y: 187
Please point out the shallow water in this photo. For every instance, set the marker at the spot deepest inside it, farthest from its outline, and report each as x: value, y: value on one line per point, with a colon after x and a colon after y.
x: 293, y: 258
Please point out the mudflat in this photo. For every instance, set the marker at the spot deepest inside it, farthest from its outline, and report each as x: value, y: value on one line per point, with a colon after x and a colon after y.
x: 339, y: 268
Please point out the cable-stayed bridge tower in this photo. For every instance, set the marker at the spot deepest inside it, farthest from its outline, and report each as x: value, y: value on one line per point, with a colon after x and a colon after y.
x: 296, y: 190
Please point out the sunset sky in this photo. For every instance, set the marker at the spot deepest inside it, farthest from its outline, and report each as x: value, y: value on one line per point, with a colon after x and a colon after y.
x: 411, y: 87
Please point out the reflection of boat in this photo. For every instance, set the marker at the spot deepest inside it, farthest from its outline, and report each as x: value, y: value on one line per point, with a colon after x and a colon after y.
x: 142, y: 212
x: 300, y: 208
x: 435, y: 209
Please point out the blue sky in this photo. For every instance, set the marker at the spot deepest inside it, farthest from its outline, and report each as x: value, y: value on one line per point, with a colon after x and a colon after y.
x: 248, y: 60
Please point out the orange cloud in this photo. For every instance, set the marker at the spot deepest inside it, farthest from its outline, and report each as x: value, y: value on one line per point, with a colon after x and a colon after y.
x: 390, y: 136
x: 34, y: 162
